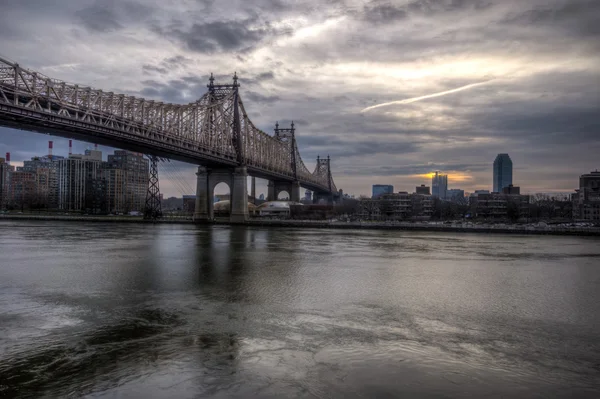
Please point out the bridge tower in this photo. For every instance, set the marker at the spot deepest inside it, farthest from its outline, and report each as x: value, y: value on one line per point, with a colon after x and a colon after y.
x: 153, y: 208
x: 324, y: 169
x: 288, y: 136
x: 235, y: 177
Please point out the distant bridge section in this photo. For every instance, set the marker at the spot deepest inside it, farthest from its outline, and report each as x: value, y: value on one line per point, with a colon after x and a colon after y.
x: 214, y: 131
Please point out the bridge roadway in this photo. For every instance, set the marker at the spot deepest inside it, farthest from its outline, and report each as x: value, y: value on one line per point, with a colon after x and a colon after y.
x: 40, y: 122
x: 213, y: 132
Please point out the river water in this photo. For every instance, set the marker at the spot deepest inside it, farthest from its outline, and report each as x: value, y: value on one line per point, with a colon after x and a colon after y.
x: 180, y: 311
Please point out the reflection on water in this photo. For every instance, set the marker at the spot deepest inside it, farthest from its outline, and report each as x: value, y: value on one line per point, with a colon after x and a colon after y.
x: 183, y: 311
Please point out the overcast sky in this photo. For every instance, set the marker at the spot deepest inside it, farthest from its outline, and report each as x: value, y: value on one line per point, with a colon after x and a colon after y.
x: 392, y: 90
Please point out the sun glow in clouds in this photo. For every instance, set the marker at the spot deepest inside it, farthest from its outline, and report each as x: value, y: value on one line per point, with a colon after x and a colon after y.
x: 414, y: 99
x: 453, y: 176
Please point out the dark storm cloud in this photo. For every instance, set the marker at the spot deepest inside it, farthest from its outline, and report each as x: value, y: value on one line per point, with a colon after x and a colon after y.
x: 430, y: 7
x: 576, y: 17
x: 416, y: 169
x: 107, y: 16
x: 362, y: 148
x: 261, y: 98
x: 99, y: 18
x: 338, y: 147
x: 383, y: 13
x: 387, y: 12
x: 169, y: 93
x: 547, y: 127
x: 252, y: 80
x: 152, y: 68
x: 176, y: 60
x: 265, y: 76
x: 167, y: 65
x: 222, y: 36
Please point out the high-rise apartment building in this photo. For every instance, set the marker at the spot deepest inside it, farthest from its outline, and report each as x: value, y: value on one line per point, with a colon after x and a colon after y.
x: 46, y: 169
x: 22, y: 191
x: 5, y: 169
x: 502, y: 172
x: 127, y: 175
x: 380, y: 189
x: 73, y: 175
x: 439, y: 185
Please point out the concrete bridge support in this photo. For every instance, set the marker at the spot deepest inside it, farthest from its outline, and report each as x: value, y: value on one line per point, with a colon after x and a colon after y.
x: 206, y: 181
x: 271, y: 193
x: 202, y: 198
x: 276, y: 187
x: 239, y: 195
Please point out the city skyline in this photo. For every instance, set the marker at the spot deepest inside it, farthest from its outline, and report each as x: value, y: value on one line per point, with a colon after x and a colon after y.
x: 79, y: 147
x: 422, y: 103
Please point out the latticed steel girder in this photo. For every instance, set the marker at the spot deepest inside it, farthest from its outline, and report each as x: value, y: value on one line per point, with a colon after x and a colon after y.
x: 153, y: 207
x: 214, y: 128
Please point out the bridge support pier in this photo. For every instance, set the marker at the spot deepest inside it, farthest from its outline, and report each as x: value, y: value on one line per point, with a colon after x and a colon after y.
x: 271, y: 194
x: 206, y: 181
x: 276, y: 187
x: 239, y: 195
x: 295, y: 192
x: 202, y: 195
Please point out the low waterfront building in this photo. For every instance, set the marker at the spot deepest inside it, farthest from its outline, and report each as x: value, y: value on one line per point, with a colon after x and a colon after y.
x: 380, y: 189
x: 423, y: 189
x: 455, y: 195
x: 586, y: 199
x: 223, y: 208
x: 422, y: 206
x: 499, y: 206
x: 510, y: 189
x: 279, y: 209
x: 396, y: 206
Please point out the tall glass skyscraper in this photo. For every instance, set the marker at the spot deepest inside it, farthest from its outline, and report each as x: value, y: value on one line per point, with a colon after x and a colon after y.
x: 502, y: 172
x: 439, y: 185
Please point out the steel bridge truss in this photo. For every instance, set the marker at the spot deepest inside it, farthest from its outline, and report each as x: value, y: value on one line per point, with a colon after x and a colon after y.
x: 214, y: 129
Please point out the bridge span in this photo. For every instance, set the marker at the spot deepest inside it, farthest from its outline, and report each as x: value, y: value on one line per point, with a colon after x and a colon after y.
x: 213, y: 132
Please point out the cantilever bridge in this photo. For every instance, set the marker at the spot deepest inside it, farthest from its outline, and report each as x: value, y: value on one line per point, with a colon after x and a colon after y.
x: 213, y: 132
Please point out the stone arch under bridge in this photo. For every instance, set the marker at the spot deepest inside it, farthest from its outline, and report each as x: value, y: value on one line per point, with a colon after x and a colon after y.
x: 277, y: 187
x: 207, y: 180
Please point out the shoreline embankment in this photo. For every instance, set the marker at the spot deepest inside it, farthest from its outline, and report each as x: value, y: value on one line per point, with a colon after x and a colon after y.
x: 319, y: 224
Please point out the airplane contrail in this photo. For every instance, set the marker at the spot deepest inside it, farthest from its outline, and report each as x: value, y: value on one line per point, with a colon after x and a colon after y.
x: 441, y: 93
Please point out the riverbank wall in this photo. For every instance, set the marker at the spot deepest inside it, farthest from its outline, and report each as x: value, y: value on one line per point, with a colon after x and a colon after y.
x: 474, y: 228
